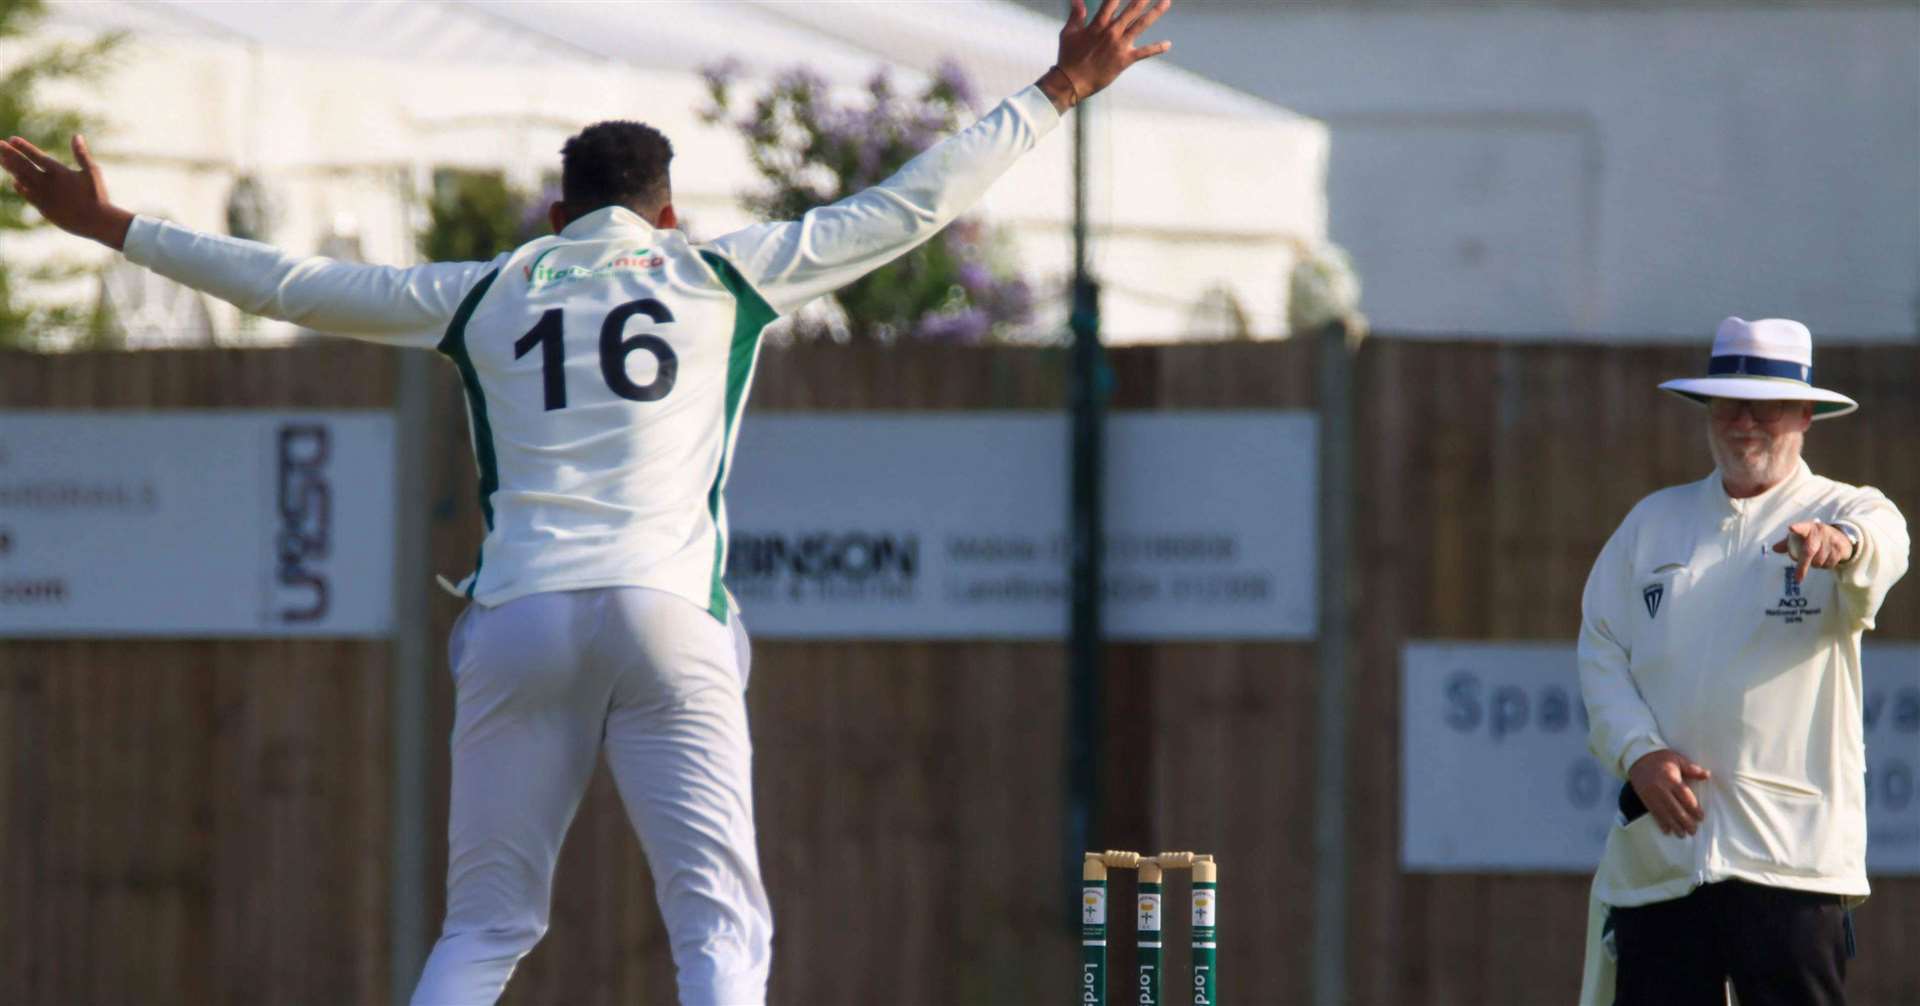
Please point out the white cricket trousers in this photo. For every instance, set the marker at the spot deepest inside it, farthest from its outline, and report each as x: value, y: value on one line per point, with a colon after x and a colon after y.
x: 542, y: 684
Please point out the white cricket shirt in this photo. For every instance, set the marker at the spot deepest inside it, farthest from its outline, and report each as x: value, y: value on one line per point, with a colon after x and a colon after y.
x: 1695, y: 638
x: 606, y: 367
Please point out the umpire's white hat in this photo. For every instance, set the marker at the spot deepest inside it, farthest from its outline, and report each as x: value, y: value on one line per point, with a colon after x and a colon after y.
x: 1769, y: 359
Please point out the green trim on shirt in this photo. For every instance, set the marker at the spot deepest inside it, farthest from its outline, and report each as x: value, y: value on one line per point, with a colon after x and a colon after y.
x: 454, y: 345
x: 752, y: 315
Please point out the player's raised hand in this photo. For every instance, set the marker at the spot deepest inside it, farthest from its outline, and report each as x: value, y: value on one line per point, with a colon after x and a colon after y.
x: 72, y: 199
x: 1095, y: 52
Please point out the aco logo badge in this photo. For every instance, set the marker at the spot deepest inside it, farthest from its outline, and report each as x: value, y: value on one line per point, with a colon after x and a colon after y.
x: 1651, y: 595
x: 1794, y: 607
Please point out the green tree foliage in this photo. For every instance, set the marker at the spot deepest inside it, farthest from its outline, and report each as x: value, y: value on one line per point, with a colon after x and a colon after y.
x: 810, y: 150
x: 473, y: 216
x: 23, y: 112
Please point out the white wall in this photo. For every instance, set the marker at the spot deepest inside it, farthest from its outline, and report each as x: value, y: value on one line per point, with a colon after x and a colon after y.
x: 344, y: 140
x: 1639, y: 172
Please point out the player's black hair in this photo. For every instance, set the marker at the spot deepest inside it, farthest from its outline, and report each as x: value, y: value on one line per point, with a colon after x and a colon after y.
x: 616, y: 163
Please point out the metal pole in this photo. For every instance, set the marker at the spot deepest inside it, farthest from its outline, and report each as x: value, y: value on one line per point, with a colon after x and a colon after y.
x: 1085, y: 698
x: 1086, y: 397
x: 1079, y: 192
x: 407, y: 681
x: 1334, y: 706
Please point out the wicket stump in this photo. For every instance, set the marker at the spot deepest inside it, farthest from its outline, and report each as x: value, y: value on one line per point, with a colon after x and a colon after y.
x: 1093, y: 924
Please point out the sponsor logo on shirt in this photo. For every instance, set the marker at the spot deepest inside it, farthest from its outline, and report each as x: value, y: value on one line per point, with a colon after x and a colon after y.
x: 1793, y: 606
x: 1651, y: 594
x: 638, y: 260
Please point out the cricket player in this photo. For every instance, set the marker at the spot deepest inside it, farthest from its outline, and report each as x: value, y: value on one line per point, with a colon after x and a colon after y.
x: 1720, y: 662
x: 606, y: 369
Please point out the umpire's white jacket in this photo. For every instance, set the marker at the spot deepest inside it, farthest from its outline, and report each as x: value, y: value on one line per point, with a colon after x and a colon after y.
x: 1695, y: 637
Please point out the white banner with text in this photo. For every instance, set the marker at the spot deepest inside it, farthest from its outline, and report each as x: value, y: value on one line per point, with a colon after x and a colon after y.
x: 954, y: 525
x: 1495, y: 776
x: 196, y: 524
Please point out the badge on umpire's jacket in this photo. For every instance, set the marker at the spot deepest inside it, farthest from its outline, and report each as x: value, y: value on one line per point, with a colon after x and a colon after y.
x: 1652, y: 593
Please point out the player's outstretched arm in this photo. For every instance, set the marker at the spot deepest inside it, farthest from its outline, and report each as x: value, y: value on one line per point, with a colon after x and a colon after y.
x: 792, y: 263
x: 407, y: 306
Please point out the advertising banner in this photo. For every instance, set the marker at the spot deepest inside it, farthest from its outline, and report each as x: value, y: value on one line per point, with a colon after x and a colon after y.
x: 947, y: 526
x: 196, y: 524
x: 1495, y: 774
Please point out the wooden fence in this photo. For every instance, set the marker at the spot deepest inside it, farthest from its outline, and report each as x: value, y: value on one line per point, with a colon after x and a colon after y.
x: 206, y: 822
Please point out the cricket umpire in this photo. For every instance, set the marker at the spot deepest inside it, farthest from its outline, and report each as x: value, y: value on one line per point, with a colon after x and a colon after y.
x: 606, y: 369
x: 1720, y: 663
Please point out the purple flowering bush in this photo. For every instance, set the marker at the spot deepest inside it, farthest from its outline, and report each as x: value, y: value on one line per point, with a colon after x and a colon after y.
x: 810, y: 150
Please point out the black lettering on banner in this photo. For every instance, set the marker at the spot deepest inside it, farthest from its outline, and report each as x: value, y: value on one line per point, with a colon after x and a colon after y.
x: 1463, y: 701
x: 1510, y: 711
x: 1902, y: 708
x: 850, y: 556
x: 48, y: 591
x: 1890, y: 786
x: 306, y: 516
x: 1556, y: 710
x: 992, y: 548
x: 1510, y: 708
x: 1584, y: 784
x: 1891, y: 782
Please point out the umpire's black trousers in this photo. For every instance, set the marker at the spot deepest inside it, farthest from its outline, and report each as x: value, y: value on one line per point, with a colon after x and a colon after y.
x: 1780, y: 948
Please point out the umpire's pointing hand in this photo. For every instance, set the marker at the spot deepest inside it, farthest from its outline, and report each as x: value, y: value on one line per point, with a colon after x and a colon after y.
x: 1093, y: 53
x: 1660, y: 778
x: 1815, y: 545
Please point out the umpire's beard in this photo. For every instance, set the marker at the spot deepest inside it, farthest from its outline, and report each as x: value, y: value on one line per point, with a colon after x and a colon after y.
x: 1754, y: 459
